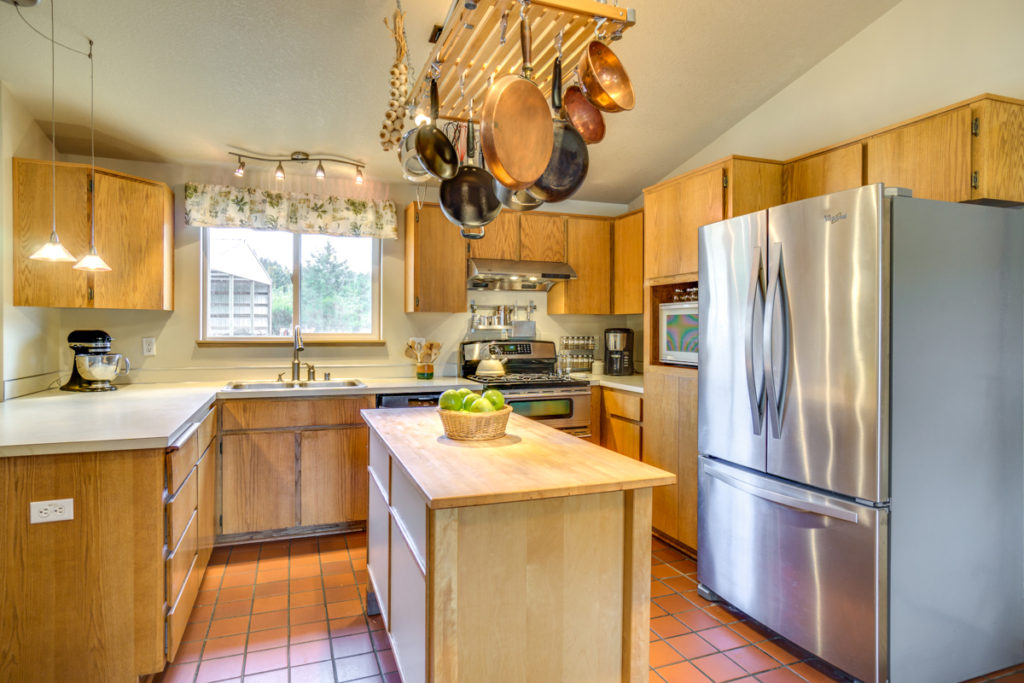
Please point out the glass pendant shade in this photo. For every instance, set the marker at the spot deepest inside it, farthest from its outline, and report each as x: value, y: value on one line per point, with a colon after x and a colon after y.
x: 53, y: 251
x: 92, y: 262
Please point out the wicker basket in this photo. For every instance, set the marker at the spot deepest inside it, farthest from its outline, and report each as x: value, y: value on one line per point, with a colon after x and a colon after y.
x: 474, y: 426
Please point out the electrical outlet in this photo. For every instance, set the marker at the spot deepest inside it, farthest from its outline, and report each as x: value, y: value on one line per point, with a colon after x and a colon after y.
x: 149, y: 346
x: 51, y: 510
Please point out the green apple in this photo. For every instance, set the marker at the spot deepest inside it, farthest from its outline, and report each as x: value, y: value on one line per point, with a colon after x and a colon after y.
x: 464, y: 392
x: 450, y: 400
x: 481, y: 405
x: 495, y: 397
x: 469, y: 399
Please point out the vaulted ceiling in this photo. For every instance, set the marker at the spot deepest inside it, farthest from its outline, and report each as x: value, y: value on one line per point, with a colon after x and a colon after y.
x: 184, y: 80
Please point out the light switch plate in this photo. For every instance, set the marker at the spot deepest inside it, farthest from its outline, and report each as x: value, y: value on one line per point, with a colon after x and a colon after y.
x: 51, y: 510
x: 149, y: 346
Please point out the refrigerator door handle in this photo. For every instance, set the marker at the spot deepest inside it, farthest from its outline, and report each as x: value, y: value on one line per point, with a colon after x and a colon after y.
x: 783, y: 499
x: 756, y: 398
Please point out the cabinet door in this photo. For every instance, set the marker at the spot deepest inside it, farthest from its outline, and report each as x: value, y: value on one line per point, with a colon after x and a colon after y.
x: 500, y: 240
x: 333, y: 484
x: 435, y: 262
x: 628, y: 264
x: 258, y: 486
x: 932, y: 157
x: 541, y: 237
x: 998, y: 151
x: 621, y: 435
x: 674, y: 212
x: 590, y: 255
x: 670, y: 442
x: 831, y: 171
x: 41, y: 283
x: 134, y: 235
x: 207, y: 503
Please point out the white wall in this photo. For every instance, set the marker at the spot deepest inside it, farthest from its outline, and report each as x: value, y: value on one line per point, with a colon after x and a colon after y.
x: 919, y: 56
x: 179, y: 358
x: 30, y: 336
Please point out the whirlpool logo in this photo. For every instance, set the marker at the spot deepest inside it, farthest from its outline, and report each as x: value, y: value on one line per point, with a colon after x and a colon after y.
x: 832, y: 218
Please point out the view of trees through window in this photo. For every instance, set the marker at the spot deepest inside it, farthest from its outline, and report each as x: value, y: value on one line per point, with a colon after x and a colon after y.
x: 251, y: 283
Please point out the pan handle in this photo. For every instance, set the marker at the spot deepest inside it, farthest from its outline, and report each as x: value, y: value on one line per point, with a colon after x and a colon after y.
x: 556, y: 86
x: 434, y: 101
x: 472, y: 235
x: 526, y: 38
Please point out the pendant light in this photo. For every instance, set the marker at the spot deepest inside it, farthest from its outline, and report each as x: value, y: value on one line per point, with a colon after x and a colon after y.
x: 53, y: 250
x: 92, y: 261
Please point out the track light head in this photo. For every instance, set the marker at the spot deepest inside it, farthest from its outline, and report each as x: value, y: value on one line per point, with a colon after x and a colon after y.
x: 279, y: 173
x: 359, y: 175
x: 320, y: 173
x: 240, y: 171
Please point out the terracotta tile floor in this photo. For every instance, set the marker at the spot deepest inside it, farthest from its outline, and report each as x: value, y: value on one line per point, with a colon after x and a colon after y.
x: 294, y: 611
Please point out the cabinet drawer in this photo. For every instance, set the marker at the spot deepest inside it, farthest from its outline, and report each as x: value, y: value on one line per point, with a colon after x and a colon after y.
x: 177, y: 618
x: 300, y: 412
x: 623, y: 403
x: 409, y: 507
x: 207, y: 430
x: 180, y: 560
x: 408, y: 611
x: 379, y: 459
x: 180, y: 508
x: 182, y: 457
x: 378, y: 527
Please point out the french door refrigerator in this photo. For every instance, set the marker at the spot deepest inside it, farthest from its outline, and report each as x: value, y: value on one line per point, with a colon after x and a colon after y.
x: 860, y: 430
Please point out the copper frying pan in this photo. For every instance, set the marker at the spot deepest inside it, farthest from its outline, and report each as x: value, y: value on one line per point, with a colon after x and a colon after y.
x: 584, y: 116
x: 516, y: 124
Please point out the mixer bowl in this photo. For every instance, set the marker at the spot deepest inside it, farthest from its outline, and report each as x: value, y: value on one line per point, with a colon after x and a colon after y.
x: 101, y: 367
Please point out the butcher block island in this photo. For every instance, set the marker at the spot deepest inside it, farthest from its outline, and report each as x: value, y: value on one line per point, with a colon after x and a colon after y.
x: 524, y: 558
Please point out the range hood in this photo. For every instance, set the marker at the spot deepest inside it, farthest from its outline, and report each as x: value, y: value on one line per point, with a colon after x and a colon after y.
x: 500, y: 274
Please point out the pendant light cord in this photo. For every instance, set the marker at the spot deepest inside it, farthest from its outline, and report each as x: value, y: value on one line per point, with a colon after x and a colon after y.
x: 26, y: 21
x: 53, y: 118
x: 92, y: 150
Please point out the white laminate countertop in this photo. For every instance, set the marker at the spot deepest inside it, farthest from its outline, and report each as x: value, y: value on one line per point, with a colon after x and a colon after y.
x: 141, y: 416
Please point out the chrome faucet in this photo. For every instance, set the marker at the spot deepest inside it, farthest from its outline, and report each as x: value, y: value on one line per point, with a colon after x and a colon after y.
x: 297, y: 346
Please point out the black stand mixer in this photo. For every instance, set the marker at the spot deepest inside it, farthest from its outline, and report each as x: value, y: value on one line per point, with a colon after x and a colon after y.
x: 93, y: 366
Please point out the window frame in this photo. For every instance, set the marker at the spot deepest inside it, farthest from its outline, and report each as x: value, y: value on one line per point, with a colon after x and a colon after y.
x: 376, y: 334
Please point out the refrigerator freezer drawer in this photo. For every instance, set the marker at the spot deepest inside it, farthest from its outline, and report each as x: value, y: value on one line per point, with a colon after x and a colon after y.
x: 809, y: 566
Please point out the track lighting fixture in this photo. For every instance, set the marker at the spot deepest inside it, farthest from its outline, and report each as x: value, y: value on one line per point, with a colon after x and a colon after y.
x: 301, y: 158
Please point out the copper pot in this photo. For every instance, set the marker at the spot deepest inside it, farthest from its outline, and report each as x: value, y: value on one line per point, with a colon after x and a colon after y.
x: 604, y: 79
x: 583, y: 115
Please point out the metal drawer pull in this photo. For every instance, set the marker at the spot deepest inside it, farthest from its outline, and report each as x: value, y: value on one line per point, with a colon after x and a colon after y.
x: 185, y: 436
x: 788, y: 501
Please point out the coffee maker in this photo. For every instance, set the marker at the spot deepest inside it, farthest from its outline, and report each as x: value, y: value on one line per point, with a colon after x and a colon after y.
x: 618, y: 351
x: 93, y: 367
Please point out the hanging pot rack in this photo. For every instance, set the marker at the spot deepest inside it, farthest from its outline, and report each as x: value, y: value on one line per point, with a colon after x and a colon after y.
x: 470, y: 54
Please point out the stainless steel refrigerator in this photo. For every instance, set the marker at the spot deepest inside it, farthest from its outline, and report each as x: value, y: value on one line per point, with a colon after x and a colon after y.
x: 861, y: 371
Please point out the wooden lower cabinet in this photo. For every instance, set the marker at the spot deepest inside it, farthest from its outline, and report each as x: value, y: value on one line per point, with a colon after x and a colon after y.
x: 289, y: 464
x: 670, y: 442
x: 621, y: 425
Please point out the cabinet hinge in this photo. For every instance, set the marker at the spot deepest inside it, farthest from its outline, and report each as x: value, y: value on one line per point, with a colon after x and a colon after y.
x: 975, y: 125
x: 220, y: 521
x: 974, y: 180
x: 90, y: 183
x: 91, y: 294
x: 725, y: 180
x: 417, y: 302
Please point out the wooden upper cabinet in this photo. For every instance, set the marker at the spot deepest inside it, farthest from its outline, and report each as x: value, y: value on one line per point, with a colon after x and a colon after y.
x: 41, y: 283
x: 590, y: 255
x: 134, y: 235
x: 435, y: 262
x: 542, y: 237
x: 830, y: 171
x: 628, y: 264
x: 500, y: 240
x: 997, y: 153
x: 674, y: 211
x: 931, y: 156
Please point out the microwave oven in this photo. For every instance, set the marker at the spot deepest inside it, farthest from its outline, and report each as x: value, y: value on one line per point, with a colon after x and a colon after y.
x: 677, y: 331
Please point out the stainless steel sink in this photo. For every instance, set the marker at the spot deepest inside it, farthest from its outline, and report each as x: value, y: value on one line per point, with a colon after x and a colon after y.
x: 291, y: 385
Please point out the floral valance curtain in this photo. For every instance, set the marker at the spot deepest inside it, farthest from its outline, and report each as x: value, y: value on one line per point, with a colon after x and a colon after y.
x: 248, y: 207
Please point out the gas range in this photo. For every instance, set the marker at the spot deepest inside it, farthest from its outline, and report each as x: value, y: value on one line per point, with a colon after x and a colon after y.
x: 530, y: 384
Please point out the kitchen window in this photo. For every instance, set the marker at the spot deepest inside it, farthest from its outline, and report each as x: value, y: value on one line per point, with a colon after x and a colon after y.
x: 259, y: 284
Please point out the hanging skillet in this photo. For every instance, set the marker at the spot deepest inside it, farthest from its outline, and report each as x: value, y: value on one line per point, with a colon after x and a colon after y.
x: 516, y: 200
x: 569, y: 157
x: 468, y: 199
x: 515, y: 124
x: 582, y: 114
x: 427, y: 150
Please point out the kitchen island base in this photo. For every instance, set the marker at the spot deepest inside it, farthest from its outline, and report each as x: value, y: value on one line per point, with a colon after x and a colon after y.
x: 554, y: 586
